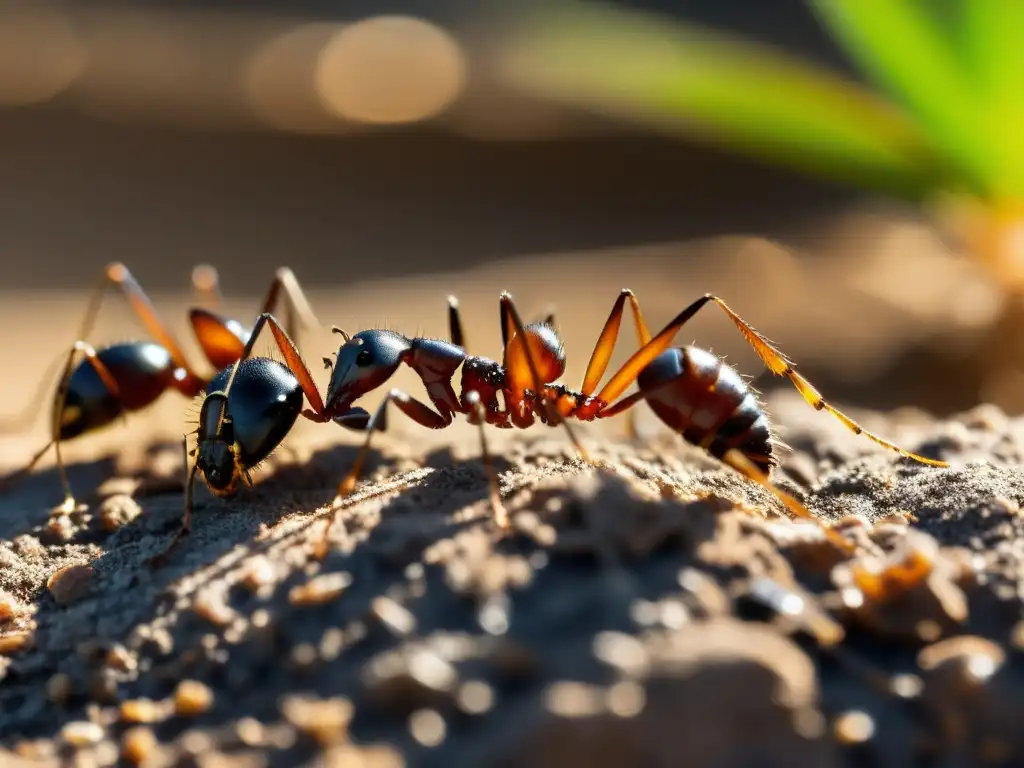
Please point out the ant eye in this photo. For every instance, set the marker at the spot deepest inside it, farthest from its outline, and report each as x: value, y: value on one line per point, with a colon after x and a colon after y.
x: 365, y: 357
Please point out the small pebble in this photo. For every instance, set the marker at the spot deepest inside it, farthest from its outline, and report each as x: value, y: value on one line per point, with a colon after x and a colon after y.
x: 626, y: 699
x: 121, y: 659
x: 250, y: 732
x: 28, y: 546
x: 475, y: 697
x: 325, y: 720
x: 211, y: 605
x: 394, y: 616
x: 320, y: 590
x: 117, y: 511
x: 259, y: 575
x: 854, y: 727
x: 427, y: 727
x: 81, y: 733
x: 144, y: 711
x: 60, y: 527
x: 978, y: 657
x: 15, y: 642
x: 138, y: 744
x: 621, y: 651
x: 10, y: 607
x: 192, y: 698
x: 571, y: 699
x: 71, y: 583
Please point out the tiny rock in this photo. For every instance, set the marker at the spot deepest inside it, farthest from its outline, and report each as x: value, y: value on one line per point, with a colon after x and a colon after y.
x: 117, y: 511
x: 81, y: 733
x: 192, y: 698
x: 138, y: 744
x: 10, y: 607
x: 71, y: 583
x: 325, y: 720
x: 320, y: 590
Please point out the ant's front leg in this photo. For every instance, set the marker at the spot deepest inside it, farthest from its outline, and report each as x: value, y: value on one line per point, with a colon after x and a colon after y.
x: 419, y: 412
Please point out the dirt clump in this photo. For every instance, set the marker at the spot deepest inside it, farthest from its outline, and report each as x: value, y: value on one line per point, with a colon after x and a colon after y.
x: 655, y: 610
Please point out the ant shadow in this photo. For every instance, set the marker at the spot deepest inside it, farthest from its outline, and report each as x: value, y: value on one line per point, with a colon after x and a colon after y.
x: 128, y: 594
x: 569, y: 600
x: 28, y: 500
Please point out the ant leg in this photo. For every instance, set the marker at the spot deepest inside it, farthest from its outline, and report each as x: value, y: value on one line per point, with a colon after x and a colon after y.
x: 292, y: 359
x: 143, y: 308
x: 609, y: 335
x: 186, y: 520
x: 772, y: 358
x: 26, y: 417
x: 223, y: 340
x: 419, y: 412
x: 206, y: 285
x: 116, y: 274
x: 456, y: 335
x: 512, y: 327
x: 58, y: 409
x: 298, y: 305
x: 737, y: 461
x: 494, y: 490
x: 17, y: 477
x: 59, y: 399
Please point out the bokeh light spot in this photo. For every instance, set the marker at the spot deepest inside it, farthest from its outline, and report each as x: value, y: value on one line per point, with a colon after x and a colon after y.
x: 390, y: 69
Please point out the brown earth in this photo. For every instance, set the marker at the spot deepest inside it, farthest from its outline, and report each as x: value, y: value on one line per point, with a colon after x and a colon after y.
x: 653, y: 610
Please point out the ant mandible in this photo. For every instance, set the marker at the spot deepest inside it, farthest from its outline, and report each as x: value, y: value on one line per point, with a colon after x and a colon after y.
x: 691, y: 390
x: 114, y: 380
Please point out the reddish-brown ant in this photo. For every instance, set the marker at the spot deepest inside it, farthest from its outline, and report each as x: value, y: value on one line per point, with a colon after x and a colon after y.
x: 111, y: 381
x: 692, y: 391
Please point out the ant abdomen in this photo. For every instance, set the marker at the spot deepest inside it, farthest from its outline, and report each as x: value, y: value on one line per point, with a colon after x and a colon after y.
x: 142, y: 371
x: 263, y: 405
x: 697, y: 395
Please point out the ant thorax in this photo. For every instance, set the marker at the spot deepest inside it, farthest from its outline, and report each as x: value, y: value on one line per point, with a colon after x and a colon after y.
x: 486, y: 378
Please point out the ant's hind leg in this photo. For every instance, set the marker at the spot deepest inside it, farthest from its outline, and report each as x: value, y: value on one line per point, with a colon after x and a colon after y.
x: 115, y: 274
x: 298, y: 307
x: 60, y: 398
x: 456, y: 333
x: 735, y: 459
x: 772, y: 358
x: 206, y: 286
x: 494, y: 491
x: 512, y: 329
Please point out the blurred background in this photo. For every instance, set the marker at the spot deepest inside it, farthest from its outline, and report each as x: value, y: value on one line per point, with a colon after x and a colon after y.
x: 393, y: 153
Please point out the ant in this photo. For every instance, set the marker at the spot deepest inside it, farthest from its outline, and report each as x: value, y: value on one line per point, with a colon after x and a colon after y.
x: 117, y: 379
x: 691, y: 390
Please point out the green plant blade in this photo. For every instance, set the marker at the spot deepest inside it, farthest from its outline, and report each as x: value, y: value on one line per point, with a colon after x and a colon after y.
x: 904, y: 47
x: 993, y: 42
x: 688, y: 81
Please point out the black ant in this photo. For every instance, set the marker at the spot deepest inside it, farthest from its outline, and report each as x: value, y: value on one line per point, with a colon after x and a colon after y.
x: 117, y: 379
x: 691, y: 390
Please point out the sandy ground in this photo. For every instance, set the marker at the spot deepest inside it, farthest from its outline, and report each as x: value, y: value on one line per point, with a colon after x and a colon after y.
x: 652, y: 610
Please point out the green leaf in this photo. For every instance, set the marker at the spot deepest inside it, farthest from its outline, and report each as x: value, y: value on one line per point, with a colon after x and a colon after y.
x: 687, y: 80
x: 993, y: 43
x: 905, y: 48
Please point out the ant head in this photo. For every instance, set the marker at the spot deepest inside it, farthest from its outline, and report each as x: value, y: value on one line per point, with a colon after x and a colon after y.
x: 364, y: 362
x: 217, y: 456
